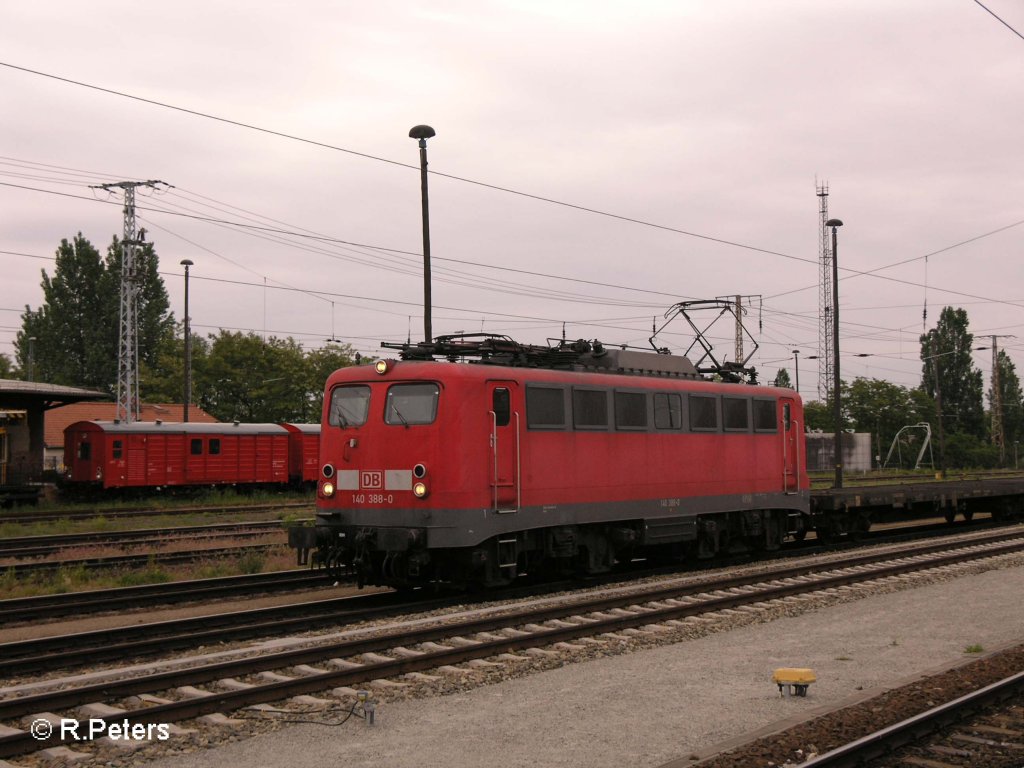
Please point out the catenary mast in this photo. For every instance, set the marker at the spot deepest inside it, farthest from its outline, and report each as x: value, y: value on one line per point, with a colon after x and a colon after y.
x: 825, y: 355
x: 128, y: 330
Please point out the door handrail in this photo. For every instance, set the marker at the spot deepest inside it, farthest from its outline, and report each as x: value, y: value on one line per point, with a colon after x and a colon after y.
x: 796, y: 468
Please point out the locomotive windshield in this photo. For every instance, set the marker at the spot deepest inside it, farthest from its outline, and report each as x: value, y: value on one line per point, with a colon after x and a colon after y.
x: 349, y: 406
x: 411, y: 404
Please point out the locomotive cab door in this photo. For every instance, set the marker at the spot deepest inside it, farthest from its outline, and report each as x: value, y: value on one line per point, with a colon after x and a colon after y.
x: 503, y: 447
x: 792, y: 431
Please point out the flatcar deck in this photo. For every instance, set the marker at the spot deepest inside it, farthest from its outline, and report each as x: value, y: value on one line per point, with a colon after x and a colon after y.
x: 997, y: 495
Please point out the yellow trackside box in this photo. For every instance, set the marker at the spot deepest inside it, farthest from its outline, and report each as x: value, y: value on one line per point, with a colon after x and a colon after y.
x: 793, y: 680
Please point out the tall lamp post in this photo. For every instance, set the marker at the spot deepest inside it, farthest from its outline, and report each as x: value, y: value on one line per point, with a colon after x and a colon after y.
x: 837, y: 406
x: 796, y: 365
x: 422, y: 133
x: 31, y: 358
x: 188, y: 344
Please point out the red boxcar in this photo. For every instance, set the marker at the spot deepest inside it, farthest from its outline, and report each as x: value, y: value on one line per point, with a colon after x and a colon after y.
x: 146, y: 454
x: 438, y: 470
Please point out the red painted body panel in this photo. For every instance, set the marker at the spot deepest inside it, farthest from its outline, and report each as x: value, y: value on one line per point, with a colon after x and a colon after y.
x: 303, y: 452
x: 141, y: 455
x: 551, y: 467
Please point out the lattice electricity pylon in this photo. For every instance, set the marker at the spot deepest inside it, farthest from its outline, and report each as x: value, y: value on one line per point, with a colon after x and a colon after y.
x: 825, y: 352
x: 128, y: 331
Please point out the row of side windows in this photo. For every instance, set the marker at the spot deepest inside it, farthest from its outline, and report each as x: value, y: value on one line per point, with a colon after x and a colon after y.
x: 196, y: 446
x: 117, y: 448
x: 585, y: 408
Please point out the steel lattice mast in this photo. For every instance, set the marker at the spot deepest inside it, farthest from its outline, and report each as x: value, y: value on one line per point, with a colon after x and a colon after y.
x: 128, y: 331
x: 825, y: 354
x: 998, y: 431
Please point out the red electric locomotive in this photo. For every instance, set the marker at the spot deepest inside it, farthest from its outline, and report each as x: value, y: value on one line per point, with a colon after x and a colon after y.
x: 112, y: 455
x: 529, y: 459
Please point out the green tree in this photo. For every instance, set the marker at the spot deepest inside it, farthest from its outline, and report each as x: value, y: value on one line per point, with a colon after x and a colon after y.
x: 818, y: 416
x: 152, y: 307
x: 1012, y: 401
x: 66, y: 336
x: 73, y: 336
x: 320, y: 364
x: 782, y: 379
x: 244, y: 378
x: 881, y: 408
x: 163, y: 379
x: 949, y: 374
x: 239, y: 376
x: 6, y: 367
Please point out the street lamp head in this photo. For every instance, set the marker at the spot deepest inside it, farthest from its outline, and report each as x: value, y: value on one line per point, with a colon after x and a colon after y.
x: 186, y: 262
x: 421, y: 132
x: 833, y: 223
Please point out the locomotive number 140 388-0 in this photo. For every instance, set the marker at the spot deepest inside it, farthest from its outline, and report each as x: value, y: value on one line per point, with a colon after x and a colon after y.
x: 372, y: 498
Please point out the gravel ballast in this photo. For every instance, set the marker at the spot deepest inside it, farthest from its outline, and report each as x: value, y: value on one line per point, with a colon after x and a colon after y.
x: 663, y: 704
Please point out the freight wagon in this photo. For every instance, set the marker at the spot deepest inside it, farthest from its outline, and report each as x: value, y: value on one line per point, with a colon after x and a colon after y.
x: 111, y: 455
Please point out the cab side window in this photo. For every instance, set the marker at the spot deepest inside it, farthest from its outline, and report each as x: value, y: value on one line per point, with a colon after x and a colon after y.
x: 502, y: 406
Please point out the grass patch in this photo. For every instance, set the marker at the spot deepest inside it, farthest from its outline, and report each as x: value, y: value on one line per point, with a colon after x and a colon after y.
x: 251, y: 562
x: 167, y: 519
x: 974, y: 649
x: 151, y: 574
x: 81, y: 579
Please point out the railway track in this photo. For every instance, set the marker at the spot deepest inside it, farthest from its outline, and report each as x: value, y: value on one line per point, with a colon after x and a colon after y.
x: 114, y: 513
x: 133, y: 561
x: 149, y: 595
x: 503, y: 635
x: 146, y: 640
x: 40, y: 546
x: 956, y: 733
x: 968, y: 716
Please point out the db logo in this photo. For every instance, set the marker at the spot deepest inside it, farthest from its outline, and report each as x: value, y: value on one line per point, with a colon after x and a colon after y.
x: 371, y: 480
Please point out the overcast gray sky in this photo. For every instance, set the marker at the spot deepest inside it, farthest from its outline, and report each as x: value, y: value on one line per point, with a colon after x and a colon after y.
x: 594, y: 163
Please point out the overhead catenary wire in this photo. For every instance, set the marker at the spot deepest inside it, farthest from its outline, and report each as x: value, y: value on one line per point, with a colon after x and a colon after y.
x: 850, y: 271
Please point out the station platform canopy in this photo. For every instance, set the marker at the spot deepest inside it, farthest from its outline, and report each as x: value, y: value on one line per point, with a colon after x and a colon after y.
x: 22, y: 407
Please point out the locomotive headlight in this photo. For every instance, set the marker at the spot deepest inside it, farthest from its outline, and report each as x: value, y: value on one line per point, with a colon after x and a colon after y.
x: 381, y: 367
x: 419, y: 490
x: 327, y: 489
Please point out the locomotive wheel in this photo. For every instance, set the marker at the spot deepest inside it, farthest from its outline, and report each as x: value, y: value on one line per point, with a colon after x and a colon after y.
x: 706, y: 546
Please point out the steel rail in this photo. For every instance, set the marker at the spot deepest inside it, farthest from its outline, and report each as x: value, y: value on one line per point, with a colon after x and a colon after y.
x: 112, y: 513
x: 142, y: 640
x: 135, y: 641
x: 913, y: 729
x: 131, y: 561
x: 597, y: 623
x: 36, y: 546
x: 145, y: 595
